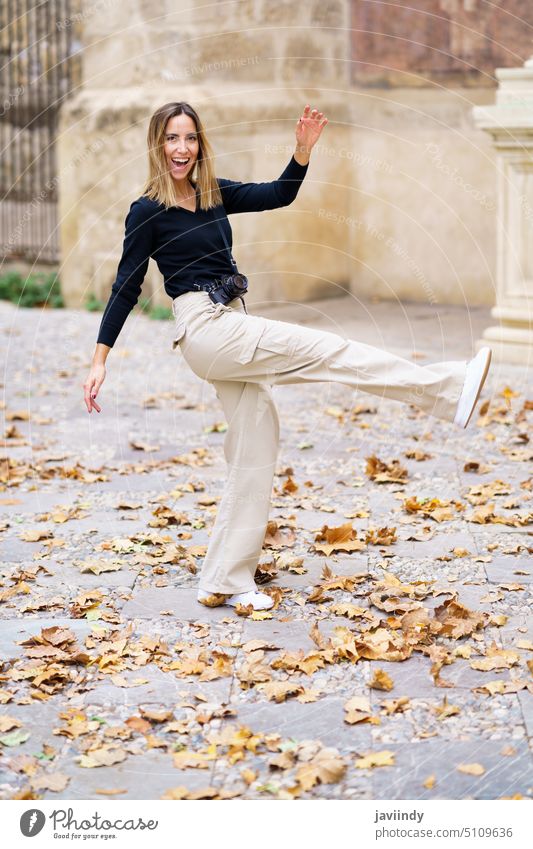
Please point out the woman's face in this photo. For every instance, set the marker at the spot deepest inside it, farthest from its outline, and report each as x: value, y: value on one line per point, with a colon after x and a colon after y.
x: 181, y: 143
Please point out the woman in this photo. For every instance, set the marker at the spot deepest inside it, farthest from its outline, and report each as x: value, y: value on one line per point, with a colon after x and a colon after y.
x: 177, y: 222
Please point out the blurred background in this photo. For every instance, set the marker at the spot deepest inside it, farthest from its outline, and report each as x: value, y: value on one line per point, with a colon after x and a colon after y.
x: 419, y: 189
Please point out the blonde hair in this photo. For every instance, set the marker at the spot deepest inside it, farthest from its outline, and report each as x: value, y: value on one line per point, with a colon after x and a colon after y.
x: 160, y: 186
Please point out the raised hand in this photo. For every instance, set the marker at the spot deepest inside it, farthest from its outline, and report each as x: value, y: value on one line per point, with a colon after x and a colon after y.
x: 309, y: 127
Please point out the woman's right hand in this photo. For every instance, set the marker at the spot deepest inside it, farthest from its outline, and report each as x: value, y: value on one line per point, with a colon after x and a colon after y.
x: 92, y: 385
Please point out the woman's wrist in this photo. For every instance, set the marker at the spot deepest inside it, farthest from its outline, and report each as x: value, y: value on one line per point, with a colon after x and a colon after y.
x: 302, y: 154
x: 100, y: 354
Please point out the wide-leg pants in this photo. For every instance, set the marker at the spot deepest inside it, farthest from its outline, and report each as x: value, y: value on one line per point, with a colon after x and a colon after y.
x: 242, y: 355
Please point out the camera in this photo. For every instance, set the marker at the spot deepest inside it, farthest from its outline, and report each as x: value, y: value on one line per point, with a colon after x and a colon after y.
x: 229, y: 287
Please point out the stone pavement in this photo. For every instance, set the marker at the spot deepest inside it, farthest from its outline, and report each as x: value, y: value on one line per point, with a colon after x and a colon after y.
x: 407, y: 676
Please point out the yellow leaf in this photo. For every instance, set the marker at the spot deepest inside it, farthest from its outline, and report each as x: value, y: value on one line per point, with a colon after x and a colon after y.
x: 372, y: 759
x: 471, y: 769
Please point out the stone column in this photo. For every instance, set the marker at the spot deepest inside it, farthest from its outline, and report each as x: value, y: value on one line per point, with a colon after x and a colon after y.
x: 510, y: 123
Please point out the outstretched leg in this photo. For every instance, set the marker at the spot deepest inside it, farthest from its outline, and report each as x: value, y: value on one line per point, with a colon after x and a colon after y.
x: 251, y: 448
x: 233, y: 346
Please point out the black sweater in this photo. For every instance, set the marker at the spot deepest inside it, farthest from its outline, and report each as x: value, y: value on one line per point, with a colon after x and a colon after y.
x: 187, y: 246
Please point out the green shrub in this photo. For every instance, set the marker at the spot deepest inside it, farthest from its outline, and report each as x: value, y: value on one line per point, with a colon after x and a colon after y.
x: 144, y: 305
x: 94, y: 304
x: 33, y: 290
x: 160, y: 313
x: 43, y: 289
x: 157, y: 313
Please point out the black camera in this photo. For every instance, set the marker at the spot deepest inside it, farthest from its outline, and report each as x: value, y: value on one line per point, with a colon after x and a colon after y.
x: 229, y: 287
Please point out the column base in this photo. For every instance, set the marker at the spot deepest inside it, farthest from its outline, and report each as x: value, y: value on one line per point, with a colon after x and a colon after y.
x: 509, y: 344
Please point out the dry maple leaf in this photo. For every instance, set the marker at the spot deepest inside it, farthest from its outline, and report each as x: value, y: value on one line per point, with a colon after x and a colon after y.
x: 330, y: 581
x: 399, y: 705
x: 327, y: 767
x: 372, y: 759
x: 358, y: 710
x: 381, y: 681
x: 253, y: 670
x: 35, y: 535
x: 445, y: 710
x: 381, y: 644
x: 352, y: 611
x: 274, y: 538
x: 7, y: 723
x: 105, y: 756
x: 381, y: 536
x: 54, y: 781
x: 433, y: 508
x: 496, y: 658
x: 319, y: 638
x: 384, y: 600
x: 458, y: 621
x: 300, y: 662
x: 381, y: 472
x: 480, y: 493
x: 471, y: 769
x: 284, y: 760
x: 341, y: 538
x: 214, y: 600
x: 197, y: 760
x: 278, y: 691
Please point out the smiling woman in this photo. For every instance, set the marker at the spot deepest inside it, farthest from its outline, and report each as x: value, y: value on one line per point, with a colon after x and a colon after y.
x: 181, y: 221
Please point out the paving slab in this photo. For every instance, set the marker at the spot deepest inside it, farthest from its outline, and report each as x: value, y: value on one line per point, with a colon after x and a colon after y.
x: 150, y: 768
x: 13, y: 631
x: 163, y: 688
x: 321, y: 720
x: 148, y: 604
x: 504, y: 775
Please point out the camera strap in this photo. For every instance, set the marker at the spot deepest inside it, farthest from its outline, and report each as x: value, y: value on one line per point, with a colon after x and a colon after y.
x: 234, y: 264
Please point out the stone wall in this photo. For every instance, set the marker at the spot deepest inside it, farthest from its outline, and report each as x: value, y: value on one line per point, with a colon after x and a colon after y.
x: 249, y: 73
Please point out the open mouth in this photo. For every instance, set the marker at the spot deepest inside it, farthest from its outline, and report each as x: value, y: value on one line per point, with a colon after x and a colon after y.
x: 180, y: 163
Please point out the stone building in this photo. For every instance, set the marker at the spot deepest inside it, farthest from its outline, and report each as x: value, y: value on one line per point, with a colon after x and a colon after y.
x: 400, y: 200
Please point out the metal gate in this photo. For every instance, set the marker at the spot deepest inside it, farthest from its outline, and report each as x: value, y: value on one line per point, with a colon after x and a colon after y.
x: 39, y: 40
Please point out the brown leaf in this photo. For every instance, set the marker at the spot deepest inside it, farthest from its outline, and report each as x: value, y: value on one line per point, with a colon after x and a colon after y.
x: 381, y: 472
x: 55, y: 782
x: 327, y: 767
x: 102, y: 757
x: 278, y: 691
x: 341, y: 538
x: 381, y: 681
x: 8, y: 722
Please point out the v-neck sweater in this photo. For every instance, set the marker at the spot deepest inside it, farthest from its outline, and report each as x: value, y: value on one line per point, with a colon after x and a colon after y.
x: 187, y: 246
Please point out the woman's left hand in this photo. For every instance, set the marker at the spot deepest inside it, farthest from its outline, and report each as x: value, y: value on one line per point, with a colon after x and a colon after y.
x: 309, y: 127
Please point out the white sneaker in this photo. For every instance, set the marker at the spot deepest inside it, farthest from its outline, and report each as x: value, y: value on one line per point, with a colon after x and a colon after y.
x: 259, y: 601
x: 476, y: 372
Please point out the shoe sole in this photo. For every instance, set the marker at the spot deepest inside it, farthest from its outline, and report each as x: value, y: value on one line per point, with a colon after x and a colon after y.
x: 480, y: 387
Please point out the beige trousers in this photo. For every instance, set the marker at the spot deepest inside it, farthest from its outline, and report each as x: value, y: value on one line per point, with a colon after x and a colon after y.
x: 242, y: 355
